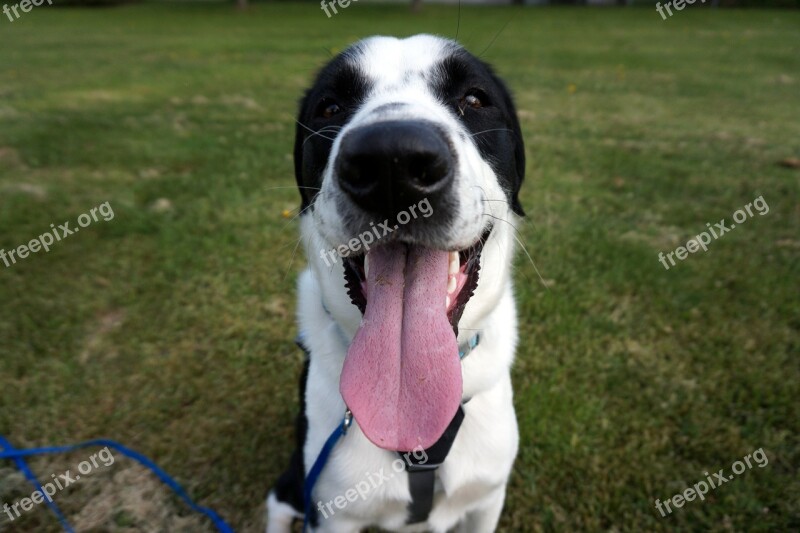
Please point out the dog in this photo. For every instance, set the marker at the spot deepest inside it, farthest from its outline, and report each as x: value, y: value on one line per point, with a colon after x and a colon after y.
x: 409, y: 161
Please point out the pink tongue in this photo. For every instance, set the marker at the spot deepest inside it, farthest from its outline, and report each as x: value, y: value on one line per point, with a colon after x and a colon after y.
x: 402, y: 374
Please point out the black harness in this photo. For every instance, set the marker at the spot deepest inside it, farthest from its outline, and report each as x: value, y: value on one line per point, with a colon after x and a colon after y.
x: 422, y: 471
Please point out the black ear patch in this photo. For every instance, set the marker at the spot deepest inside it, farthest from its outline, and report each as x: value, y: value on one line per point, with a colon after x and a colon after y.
x: 495, y: 127
x: 340, y: 82
x: 306, y: 187
x: 519, y: 150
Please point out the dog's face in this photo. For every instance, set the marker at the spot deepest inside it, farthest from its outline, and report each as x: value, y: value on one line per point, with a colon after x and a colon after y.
x: 409, y: 159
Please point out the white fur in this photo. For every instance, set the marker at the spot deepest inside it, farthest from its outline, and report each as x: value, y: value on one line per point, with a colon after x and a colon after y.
x: 471, y: 484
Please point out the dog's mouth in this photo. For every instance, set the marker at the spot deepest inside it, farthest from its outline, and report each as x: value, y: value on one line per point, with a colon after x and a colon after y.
x: 402, y: 374
x: 463, y: 269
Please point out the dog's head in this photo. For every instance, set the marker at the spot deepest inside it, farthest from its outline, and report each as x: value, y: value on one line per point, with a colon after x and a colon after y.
x: 409, y: 159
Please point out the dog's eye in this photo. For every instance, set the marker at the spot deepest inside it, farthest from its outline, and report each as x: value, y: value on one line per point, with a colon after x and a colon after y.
x: 331, y: 110
x: 473, y: 101
x: 475, y: 98
x: 328, y: 108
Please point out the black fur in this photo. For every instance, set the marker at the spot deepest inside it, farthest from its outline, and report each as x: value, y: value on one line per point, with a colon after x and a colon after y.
x: 290, y: 486
x: 490, y: 125
x: 340, y: 82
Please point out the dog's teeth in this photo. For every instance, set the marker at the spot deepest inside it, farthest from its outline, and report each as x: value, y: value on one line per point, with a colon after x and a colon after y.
x: 447, y: 302
x: 366, y: 267
x: 454, y: 263
x: 451, y: 285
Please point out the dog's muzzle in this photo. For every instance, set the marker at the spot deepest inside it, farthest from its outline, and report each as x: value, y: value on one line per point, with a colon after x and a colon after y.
x: 386, y: 166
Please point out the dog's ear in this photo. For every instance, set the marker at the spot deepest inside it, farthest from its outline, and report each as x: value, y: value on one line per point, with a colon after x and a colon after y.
x: 519, y: 153
x: 519, y: 157
x: 514, y: 173
x: 299, y: 139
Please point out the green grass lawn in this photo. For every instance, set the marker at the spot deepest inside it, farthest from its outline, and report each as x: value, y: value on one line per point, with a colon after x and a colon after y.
x: 170, y: 327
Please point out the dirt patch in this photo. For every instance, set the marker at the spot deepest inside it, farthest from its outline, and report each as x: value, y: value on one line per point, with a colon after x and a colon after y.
x: 244, y: 102
x: 100, y: 330
x: 10, y: 156
x: 132, y: 501
x: 36, y: 191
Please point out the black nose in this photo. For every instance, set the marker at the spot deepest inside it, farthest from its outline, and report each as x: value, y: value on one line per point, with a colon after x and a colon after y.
x: 388, y: 166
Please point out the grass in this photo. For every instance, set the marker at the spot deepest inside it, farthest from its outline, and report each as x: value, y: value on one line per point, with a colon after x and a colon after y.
x: 171, y: 326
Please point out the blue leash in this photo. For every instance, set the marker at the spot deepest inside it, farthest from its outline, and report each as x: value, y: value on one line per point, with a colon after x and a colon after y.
x: 9, y: 452
x: 319, y: 464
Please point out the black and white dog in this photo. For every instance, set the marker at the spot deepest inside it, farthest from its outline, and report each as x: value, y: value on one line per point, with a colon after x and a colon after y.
x: 409, y: 160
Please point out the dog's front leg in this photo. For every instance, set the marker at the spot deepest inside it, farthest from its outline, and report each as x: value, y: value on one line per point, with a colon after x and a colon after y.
x: 484, y: 519
x: 280, y: 515
x: 338, y: 525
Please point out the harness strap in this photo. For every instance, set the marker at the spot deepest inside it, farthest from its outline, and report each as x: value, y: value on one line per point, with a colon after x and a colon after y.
x: 422, y: 470
x: 422, y: 477
x: 319, y: 464
x: 421, y: 484
x: 472, y: 343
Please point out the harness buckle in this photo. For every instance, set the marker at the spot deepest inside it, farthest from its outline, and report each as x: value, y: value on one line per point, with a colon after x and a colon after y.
x: 413, y: 467
x: 348, y: 421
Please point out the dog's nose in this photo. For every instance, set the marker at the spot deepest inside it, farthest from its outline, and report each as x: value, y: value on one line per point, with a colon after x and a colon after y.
x: 387, y: 166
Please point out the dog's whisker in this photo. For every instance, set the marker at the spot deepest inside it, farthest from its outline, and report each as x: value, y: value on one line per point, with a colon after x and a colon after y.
x: 304, y: 126
x: 523, y: 220
x: 294, y: 252
x: 493, y: 129
x: 291, y: 260
x: 524, y: 249
x: 488, y: 200
x: 327, y: 239
x: 313, y: 131
x: 291, y: 187
x: 522, y: 245
x: 497, y: 243
x: 483, y: 192
x: 330, y: 129
x: 300, y: 212
x: 315, y: 135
